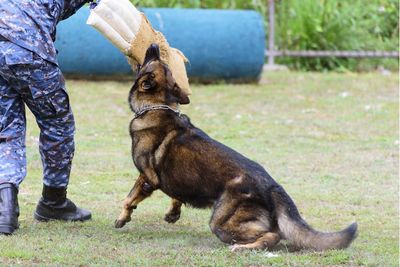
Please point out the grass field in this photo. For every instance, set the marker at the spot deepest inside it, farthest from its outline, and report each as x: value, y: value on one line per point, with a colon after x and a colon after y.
x: 330, y: 139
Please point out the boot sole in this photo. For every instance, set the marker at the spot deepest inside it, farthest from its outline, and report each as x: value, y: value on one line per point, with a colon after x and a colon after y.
x: 40, y: 218
x: 46, y: 219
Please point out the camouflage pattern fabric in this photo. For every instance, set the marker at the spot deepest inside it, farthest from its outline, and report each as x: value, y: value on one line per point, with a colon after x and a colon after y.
x: 29, y: 75
x: 22, y: 75
x: 32, y: 23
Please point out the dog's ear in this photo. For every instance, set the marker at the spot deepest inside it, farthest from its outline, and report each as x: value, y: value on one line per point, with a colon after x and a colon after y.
x: 183, y: 98
x: 152, y: 53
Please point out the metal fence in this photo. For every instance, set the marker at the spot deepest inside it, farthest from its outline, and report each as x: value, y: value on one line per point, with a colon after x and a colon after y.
x: 271, y: 53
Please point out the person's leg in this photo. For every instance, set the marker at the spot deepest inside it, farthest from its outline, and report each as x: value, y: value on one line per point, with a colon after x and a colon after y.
x: 12, y: 155
x: 56, y: 143
x: 49, y: 102
x: 56, y: 122
x: 12, y: 136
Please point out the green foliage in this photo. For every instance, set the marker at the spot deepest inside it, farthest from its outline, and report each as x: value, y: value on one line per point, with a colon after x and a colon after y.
x: 336, y: 25
x: 315, y: 25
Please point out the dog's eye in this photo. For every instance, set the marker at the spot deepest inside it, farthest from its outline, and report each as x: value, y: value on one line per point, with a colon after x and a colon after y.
x: 152, y: 76
x: 146, y: 85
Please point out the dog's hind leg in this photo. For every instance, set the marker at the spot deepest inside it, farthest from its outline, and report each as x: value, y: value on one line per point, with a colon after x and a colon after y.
x: 174, y: 212
x: 224, y: 209
x: 140, y: 191
x: 241, y: 222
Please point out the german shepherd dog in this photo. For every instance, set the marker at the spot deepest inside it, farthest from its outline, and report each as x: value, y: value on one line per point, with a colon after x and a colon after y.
x: 250, y: 209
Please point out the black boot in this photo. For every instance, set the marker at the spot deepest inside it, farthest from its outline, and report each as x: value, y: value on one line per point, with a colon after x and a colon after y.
x: 54, y: 205
x: 9, y: 209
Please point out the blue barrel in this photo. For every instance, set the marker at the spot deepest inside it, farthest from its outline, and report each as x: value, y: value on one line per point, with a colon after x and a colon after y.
x: 220, y: 44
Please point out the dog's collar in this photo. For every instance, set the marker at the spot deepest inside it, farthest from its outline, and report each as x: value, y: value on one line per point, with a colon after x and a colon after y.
x: 142, y: 111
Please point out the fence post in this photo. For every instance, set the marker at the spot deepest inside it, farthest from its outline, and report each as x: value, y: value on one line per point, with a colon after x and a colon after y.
x: 271, y: 32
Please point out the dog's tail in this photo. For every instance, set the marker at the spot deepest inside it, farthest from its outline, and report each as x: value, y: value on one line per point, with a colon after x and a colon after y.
x: 295, y: 229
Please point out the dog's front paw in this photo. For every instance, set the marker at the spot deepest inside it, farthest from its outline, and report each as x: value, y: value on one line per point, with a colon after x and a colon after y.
x: 172, y: 217
x: 119, y: 223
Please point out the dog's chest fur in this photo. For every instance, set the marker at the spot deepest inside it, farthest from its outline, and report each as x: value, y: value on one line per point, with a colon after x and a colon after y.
x: 149, y: 140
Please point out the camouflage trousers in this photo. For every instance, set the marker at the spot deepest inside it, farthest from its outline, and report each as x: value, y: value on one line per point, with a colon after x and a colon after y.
x: 27, y: 79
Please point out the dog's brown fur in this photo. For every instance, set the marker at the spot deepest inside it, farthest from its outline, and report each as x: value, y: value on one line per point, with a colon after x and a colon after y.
x: 250, y: 210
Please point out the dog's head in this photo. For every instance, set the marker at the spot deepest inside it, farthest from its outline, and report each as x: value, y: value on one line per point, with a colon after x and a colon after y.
x: 155, y: 84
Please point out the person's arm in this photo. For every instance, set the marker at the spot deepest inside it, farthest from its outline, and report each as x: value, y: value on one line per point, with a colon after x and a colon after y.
x: 71, y: 6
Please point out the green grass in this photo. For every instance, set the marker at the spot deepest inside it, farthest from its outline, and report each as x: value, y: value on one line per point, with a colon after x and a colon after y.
x: 330, y: 139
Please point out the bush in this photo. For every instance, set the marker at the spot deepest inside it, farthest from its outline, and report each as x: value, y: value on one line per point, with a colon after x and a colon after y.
x: 337, y: 25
